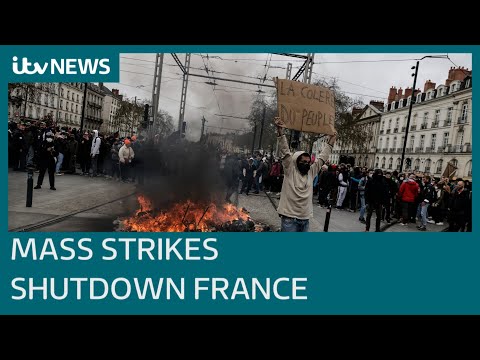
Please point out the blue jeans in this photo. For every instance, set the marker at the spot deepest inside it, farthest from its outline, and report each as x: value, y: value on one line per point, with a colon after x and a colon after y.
x: 59, y: 162
x: 362, y: 206
x: 294, y: 225
x: 258, y: 185
x: 422, y: 213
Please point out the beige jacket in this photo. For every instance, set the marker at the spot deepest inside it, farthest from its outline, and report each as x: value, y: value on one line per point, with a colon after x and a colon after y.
x: 297, y: 189
x: 125, y: 153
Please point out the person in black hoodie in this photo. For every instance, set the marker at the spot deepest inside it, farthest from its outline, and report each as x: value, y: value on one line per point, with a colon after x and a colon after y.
x: 460, y: 208
x: 232, y: 171
x: 323, y: 186
x: 392, y: 192
x: 249, y: 173
x: 19, y: 148
x: 84, y: 146
x: 46, y: 161
x: 376, y: 194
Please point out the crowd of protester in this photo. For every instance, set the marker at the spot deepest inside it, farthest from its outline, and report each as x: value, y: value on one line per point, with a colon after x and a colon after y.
x: 393, y: 197
x: 42, y: 147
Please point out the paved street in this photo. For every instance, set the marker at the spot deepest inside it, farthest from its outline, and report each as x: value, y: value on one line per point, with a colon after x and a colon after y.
x: 261, y: 209
x: 76, y: 193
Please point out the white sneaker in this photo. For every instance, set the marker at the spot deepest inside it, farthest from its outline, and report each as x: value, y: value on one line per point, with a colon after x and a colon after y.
x: 431, y: 222
x: 440, y: 223
x: 269, y: 192
x: 403, y: 224
x: 278, y: 194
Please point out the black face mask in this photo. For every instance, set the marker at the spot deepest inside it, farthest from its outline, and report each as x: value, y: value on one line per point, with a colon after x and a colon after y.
x: 303, y: 168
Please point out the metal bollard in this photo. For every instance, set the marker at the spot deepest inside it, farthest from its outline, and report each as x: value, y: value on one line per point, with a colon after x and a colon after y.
x: 327, y: 217
x: 29, y: 188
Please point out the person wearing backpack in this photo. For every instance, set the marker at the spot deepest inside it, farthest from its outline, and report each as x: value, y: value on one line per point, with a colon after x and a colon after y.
x: 428, y: 196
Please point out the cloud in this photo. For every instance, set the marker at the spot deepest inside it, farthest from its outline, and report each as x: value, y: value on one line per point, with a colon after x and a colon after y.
x: 368, y: 76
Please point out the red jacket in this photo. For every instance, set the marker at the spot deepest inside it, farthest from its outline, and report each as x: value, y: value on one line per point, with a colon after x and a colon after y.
x: 408, y: 191
x: 276, y: 169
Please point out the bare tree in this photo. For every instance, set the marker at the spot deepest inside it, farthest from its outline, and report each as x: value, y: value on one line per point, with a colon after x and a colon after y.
x: 22, y: 93
x: 164, y: 123
x: 128, y: 116
x: 349, y: 132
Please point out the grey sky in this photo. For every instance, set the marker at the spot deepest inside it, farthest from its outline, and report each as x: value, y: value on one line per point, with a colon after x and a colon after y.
x: 367, y: 76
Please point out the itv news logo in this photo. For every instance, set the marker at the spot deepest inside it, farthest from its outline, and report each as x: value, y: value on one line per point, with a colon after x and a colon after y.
x: 61, y: 66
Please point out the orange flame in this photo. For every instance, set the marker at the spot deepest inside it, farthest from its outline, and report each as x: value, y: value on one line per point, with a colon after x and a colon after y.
x: 186, y: 216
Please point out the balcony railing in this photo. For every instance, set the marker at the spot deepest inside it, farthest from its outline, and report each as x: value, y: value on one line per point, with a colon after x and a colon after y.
x: 462, y: 120
x: 427, y: 169
x: 395, y: 130
x: 418, y: 149
x: 434, y: 125
x: 403, y: 128
x: 392, y: 150
x: 413, y: 127
x: 423, y: 126
x: 468, y: 148
x: 428, y: 149
x: 381, y: 132
x: 388, y: 131
x: 447, y: 123
x: 409, y: 150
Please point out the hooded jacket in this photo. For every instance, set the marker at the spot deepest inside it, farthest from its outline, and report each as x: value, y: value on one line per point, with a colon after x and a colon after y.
x: 297, y: 189
x: 376, y: 190
x: 408, y: 191
x: 96, y: 141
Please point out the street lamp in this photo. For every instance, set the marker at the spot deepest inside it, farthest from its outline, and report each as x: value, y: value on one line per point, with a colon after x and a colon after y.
x: 412, y: 101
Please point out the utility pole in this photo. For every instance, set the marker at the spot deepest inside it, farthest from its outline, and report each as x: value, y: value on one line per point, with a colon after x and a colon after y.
x: 183, y: 98
x: 134, y: 110
x: 26, y: 100
x: 412, y: 100
x: 254, y: 136
x: 203, y: 127
x: 83, y: 107
x: 157, y: 80
x: 261, y: 129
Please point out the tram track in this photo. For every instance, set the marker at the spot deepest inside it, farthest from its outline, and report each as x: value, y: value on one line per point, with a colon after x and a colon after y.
x: 61, y: 218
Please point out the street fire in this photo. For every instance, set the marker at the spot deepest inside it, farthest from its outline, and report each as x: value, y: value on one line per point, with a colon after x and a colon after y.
x: 188, y: 216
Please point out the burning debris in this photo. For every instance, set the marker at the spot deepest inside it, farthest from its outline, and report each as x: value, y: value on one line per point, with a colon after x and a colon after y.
x: 189, y: 216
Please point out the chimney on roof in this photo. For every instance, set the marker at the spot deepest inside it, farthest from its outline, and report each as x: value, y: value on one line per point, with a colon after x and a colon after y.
x: 392, y: 94
x: 429, y: 85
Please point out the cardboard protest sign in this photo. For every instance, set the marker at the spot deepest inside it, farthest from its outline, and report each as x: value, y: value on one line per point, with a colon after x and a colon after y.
x: 306, y: 107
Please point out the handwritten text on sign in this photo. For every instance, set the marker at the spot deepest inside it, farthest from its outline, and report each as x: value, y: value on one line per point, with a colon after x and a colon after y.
x: 305, y: 107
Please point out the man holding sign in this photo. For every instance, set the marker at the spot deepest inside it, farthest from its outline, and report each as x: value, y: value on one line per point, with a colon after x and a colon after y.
x: 308, y: 108
x: 295, y: 207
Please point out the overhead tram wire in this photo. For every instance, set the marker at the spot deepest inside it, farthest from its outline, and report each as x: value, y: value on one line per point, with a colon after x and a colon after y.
x: 213, y: 86
x: 271, y: 67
